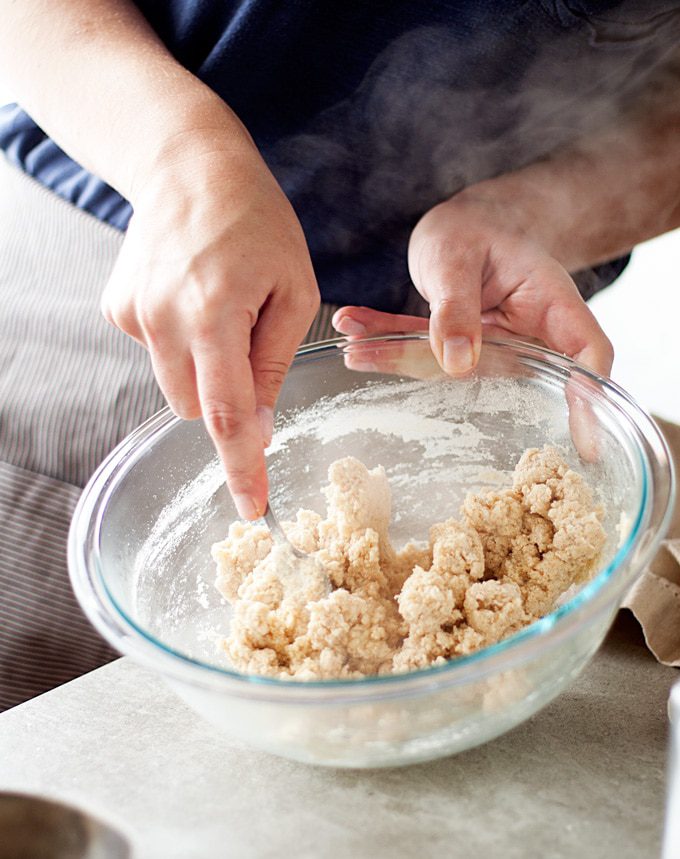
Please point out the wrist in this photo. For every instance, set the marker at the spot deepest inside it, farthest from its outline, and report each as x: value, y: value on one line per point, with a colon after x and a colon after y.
x: 205, y: 130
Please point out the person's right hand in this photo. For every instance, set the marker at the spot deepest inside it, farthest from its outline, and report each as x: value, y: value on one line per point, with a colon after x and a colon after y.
x: 214, y: 278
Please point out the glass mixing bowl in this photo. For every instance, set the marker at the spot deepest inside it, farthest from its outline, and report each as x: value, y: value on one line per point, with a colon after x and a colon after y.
x: 140, y: 541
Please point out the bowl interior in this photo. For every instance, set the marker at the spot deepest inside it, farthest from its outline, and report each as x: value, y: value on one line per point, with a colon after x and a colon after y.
x: 437, y: 437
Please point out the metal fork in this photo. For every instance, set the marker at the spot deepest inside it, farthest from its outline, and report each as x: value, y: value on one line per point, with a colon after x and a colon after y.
x: 304, y: 566
x: 279, y: 534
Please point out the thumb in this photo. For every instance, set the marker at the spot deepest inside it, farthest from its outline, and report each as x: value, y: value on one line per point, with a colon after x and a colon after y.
x: 451, y: 281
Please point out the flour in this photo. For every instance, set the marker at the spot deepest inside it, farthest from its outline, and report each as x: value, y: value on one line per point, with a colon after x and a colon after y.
x: 450, y: 423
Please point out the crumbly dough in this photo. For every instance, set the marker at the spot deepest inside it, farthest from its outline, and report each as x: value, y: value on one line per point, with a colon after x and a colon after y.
x: 480, y: 578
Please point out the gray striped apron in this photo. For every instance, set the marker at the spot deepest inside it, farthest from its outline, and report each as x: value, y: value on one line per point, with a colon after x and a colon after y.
x: 71, y: 387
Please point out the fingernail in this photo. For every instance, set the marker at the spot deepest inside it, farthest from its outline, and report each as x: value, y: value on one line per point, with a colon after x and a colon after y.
x: 350, y: 326
x: 458, y: 358
x: 265, y: 416
x: 247, y: 507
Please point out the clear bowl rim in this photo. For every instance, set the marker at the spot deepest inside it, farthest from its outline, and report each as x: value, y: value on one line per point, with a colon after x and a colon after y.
x: 128, y: 637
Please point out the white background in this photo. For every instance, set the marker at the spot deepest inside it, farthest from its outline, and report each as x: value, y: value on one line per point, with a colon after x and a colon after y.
x: 641, y: 315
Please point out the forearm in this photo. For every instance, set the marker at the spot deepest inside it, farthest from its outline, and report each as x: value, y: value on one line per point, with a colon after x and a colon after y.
x: 597, y: 199
x: 98, y: 80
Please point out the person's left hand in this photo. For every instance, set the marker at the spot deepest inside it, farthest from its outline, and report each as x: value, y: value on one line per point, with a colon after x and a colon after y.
x: 477, y: 267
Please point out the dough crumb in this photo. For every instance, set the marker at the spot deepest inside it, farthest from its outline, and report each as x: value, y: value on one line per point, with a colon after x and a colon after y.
x: 514, y: 552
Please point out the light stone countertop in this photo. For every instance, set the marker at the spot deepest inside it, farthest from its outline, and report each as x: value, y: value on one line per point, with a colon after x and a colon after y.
x: 583, y: 778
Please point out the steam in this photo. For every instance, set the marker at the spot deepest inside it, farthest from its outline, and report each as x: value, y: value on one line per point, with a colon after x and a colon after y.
x: 436, y: 113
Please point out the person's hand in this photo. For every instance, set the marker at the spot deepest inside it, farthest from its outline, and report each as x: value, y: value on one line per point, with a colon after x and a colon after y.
x: 214, y: 279
x: 478, y: 265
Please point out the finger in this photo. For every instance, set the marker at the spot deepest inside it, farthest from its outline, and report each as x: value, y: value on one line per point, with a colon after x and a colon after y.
x: 117, y: 302
x: 121, y: 315
x: 548, y: 306
x: 411, y: 358
x: 570, y: 327
x: 281, y: 327
x: 584, y: 426
x: 227, y: 397
x: 366, y: 322
x: 564, y: 323
x: 451, y: 280
x: 175, y: 373
x: 493, y: 328
x: 374, y: 357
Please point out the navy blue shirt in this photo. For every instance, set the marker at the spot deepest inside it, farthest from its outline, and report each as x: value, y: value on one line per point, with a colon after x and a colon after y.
x: 371, y: 113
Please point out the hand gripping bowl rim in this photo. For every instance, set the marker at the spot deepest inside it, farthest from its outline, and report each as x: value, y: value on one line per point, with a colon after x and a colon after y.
x: 597, y: 596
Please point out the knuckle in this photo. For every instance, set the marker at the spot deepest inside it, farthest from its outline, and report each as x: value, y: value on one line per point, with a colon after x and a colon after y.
x: 150, y: 321
x: 271, y: 373
x: 446, y: 306
x: 206, y: 324
x: 452, y: 315
x: 199, y: 304
x: 239, y: 479
x: 311, y: 300
x: 127, y: 320
x: 203, y: 331
x: 153, y: 314
x: 223, y: 419
x: 199, y: 331
x: 307, y: 311
x: 304, y: 300
x: 120, y: 317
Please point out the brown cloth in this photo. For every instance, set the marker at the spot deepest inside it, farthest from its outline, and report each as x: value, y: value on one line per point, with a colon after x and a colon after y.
x: 654, y: 599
